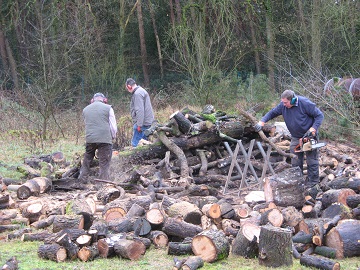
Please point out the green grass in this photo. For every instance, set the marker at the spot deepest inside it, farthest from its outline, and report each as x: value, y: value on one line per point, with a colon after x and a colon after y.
x: 26, y: 253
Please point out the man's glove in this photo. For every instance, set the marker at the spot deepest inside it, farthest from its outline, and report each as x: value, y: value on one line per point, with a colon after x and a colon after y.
x: 257, y: 127
x: 138, y: 128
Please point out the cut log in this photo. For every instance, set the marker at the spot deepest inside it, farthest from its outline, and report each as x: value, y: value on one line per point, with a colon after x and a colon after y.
x: 292, y: 216
x: 29, y: 188
x: 159, y: 239
x: 155, y: 216
x: 17, y: 234
x: 43, y: 223
x: 68, y: 222
x: 287, y: 189
x: 129, y: 249
x: 275, y: 246
x: 141, y: 227
x: 319, y: 262
x: 242, y: 246
x: 38, y: 236
x: 193, y: 263
x: 114, y: 210
x: 106, y: 245
x: 71, y: 248
x: 302, y: 237
x: 83, y: 240
x: 109, y: 193
x: 336, y: 196
x: 211, y: 245
x: 179, y: 248
x: 81, y: 207
x: 353, y: 201
x: 33, y: 212
x: 11, y: 264
x: 183, y: 123
x: 344, y: 238
x: 53, y: 252
x: 337, y: 209
x: 230, y: 227
x: 188, y: 211
x: 182, y: 229
x: 212, y: 210
x: 273, y: 217
x: 88, y: 253
x: 325, y: 251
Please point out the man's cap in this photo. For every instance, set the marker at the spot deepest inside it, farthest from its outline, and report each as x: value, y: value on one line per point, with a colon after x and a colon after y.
x: 99, y: 95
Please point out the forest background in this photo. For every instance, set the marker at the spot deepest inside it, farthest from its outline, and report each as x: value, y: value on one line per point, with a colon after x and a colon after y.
x: 54, y: 55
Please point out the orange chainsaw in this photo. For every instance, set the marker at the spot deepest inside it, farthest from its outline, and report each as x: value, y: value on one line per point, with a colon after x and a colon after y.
x: 308, y: 143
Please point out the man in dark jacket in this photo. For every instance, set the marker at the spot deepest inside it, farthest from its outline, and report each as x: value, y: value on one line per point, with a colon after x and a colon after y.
x: 141, y: 111
x: 100, y: 130
x: 300, y: 116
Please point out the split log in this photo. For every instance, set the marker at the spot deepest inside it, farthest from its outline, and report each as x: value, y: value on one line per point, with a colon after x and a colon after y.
x: 275, y: 246
x: 71, y: 248
x: 159, y: 239
x: 109, y: 193
x: 243, y: 246
x: 88, y: 253
x: 319, y: 263
x: 188, y: 211
x: 273, y: 217
x: 291, y: 216
x: 179, y: 248
x: 336, y: 196
x: 230, y: 227
x: 344, y: 238
x: 53, y: 252
x: 179, y: 228
x: 68, y: 222
x: 183, y: 123
x: 141, y: 227
x: 83, y: 240
x: 129, y: 249
x: 193, y: 263
x: 81, y: 207
x: 106, y: 245
x: 211, y: 245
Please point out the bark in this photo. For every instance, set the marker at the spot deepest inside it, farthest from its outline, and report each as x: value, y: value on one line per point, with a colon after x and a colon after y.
x: 319, y: 263
x: 53, y: 252
x: 144, y: 59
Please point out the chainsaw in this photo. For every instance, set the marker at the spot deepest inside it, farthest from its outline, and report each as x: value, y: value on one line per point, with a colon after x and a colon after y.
x: 308, y: 143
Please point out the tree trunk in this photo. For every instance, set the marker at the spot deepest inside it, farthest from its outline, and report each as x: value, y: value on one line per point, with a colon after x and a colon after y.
x: 144, y: 59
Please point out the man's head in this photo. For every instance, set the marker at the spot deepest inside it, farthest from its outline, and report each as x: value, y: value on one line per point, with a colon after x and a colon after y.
x: 288, y: 98
x: 130, y: 84
x: 99, y: 96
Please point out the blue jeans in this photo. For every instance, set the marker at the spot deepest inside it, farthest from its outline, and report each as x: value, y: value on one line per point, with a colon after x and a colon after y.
x: 137, y: 136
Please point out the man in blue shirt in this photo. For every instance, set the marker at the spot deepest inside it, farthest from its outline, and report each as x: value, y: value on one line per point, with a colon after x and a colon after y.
x: 300, y: 116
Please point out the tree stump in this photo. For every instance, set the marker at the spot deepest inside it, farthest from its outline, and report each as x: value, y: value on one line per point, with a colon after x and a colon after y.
x: 211, y: 245
x: 344, y: 238
x: 53, y: 252
x: 275, y: 248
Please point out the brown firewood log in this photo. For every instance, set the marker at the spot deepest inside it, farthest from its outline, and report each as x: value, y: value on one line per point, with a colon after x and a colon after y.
x: 230, y: 227
x: 53, y: 252
x: 124, y: 224
x: 7, y: 215
x: 325, y: 251
x: 211, y: 245
x: 273, y: 217
x: 109, y: 193
x: 193, y: 263
x: 291, y: 216
x: 71, y: 248
x: 211, y: 210
x: 336, y: 196
x: 188, y: 211
x: 101, y: 228
x: 156, y: 216
x: 9, y: 227
x: 129, y: 249
x: 17, y: 234
x: 182, y: 229
x: 81, y: 207
x: 43, y: 223
x: 35, y: 236
x: 159, y: 239
x: 88, y: 253
x: 33, y: 212
x: 302, y: 237
x: 319, y: 262
x: 179, y: 248
x: 242, y: 211
x: 308, y: 211
x: 106, y: 245
x: 5, y: 201
x: 114, y: 210
x: 141, y: 226
x: 68, y: 222
x: 29, y: 188
x: 83, y: 240
x: 344, y: 238
x: 135, y: 211
x: 275, y: 253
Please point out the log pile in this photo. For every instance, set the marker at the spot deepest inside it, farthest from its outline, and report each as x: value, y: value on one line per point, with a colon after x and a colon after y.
x: 177, y: 201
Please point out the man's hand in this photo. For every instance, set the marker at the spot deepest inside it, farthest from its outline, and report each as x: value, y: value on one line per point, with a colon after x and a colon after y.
x: 258, y: 126
x: 138, y: 128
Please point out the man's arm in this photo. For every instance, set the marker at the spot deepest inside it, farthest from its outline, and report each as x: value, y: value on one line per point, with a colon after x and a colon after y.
x: 139, y: 109
x: 112, y: 123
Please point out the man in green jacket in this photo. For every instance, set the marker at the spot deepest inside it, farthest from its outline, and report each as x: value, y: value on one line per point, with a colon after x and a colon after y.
x: 100, y: 130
